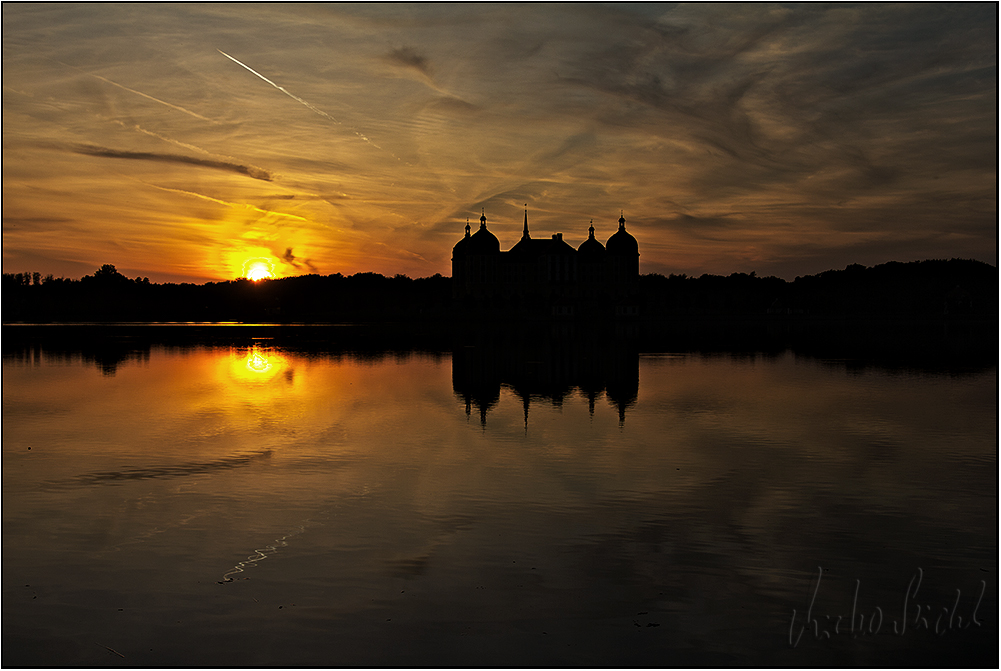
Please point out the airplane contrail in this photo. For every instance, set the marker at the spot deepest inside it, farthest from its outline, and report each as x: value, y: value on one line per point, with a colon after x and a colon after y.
x: 298, y: 99
x: 138, y: 93
x: 224, y: 202
x: 185, y: 145
x: 280, y: 88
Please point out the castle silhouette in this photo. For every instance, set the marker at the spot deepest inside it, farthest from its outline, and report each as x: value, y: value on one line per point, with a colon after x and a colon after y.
x: 546, y: 276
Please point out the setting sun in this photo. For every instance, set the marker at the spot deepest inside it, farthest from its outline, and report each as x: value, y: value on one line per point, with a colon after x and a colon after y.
x: 258, y: 269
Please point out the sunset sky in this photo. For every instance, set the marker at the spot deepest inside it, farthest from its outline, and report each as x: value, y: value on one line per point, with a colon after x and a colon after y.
x: 182, y: 142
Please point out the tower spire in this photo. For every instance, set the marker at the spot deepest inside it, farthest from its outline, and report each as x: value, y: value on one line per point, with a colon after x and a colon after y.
x: 483, y: 218
x: 524, y: 233
x: 622, y: 221
x: 590, y: 230
x: 467, y: 227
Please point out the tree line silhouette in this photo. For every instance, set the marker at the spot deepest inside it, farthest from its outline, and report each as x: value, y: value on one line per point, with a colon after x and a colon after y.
x: 924, y: 289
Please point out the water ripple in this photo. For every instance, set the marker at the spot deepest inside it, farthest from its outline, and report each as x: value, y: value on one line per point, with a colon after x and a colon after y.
x: 156, y: 472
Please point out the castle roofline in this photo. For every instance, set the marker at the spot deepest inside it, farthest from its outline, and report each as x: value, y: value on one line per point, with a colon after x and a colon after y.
x: 540, y: 246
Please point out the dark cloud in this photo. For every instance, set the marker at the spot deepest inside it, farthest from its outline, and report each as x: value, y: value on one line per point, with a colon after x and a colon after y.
x: 409, y: 58
x: 793, y: 92
x: 291, y: 259
x: 248, y: 170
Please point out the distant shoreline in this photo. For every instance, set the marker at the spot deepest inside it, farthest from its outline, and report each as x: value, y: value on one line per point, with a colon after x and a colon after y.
x: 924, y: 290
x: 936, y: 343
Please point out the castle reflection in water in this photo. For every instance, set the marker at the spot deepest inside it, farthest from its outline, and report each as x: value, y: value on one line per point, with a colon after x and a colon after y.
x: 546, y: 363
x: 542, y: 361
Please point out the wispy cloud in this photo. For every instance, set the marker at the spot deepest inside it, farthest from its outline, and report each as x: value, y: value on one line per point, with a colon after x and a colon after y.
x: 731, y: 134
x: 177, y: 143
x: 139, y: 93
x: 245, y: 206
x: 296, y: 98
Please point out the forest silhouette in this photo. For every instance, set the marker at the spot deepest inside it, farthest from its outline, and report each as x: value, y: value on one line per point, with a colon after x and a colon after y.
x: 933, y: 289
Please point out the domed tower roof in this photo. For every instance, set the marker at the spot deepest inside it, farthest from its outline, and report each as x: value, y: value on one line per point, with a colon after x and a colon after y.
x: 483, y: 241
x: 461, y: 247
x: 591, y: 248
x: 621, y: 243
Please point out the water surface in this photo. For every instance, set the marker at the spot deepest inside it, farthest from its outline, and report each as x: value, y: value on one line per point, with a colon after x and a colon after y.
x: 255, y: 504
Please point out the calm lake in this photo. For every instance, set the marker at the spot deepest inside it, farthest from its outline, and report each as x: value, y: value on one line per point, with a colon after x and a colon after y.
x: 256, y: 503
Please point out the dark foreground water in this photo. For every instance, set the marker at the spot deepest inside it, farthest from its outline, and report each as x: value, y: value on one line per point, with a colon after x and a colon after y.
x: 254, y: 503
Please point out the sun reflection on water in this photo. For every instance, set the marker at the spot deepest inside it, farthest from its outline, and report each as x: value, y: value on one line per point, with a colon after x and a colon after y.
x: 257, y: 365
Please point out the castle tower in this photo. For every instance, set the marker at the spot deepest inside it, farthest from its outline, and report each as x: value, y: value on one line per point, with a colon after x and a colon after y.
x: 474, y: 265
x: 623, y: 267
